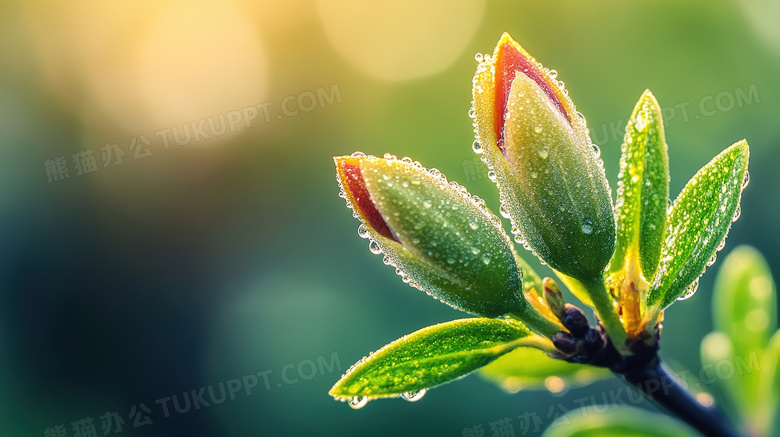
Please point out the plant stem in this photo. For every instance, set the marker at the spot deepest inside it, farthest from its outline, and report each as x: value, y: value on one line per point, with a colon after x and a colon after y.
x: 597, y: 291
x: 660, y: 386
x: 536, y: 321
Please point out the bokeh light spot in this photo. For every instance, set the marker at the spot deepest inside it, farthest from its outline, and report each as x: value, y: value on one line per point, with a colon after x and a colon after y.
x: 387, y: 41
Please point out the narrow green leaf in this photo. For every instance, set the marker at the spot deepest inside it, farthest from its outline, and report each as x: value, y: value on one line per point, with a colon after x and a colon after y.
x: 532, y: 369
x: 433, y: 356
x: 744, y: 301
x: 643, y: 188
x: 739, y: 376
x: 768, y: 418
x: 745, y: 316
x: 616, y: 422
x: 698, y: 223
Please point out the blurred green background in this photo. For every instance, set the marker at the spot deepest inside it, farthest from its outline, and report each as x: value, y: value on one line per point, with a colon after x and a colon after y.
x: 154, y: 272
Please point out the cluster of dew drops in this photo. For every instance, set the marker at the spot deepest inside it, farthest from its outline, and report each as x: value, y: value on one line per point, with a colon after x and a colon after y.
x: 640, y: 124
x: 484, y: 61
x: 691, y: 290
x: 437, y: 175
x: 358, y: 402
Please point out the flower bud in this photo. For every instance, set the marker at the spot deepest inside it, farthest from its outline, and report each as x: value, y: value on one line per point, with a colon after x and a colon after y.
x: 550, y: 177
x: 553, y: 297
x: 440, y: 239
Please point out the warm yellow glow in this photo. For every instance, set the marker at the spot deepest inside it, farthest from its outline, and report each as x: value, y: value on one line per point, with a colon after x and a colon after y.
x: 705, y: 399
x: 554, y: 384
x: 402, y: 39
x: 148, y: 65
x: 196, y: 61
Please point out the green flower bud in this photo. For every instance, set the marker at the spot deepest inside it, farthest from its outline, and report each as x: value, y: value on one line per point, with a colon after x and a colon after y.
x: 440, y: 239
x: 549, y: 174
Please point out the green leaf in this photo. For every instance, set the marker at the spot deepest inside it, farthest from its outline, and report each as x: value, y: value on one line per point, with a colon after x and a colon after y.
x: 698, y: 223
x: 744, y: 301
x: 768, y: 418
x: 643, y: 188
x: 532, y: 369
x: 745, y: 316
x: 616, y: 422
x: 433, y: 356
x: 741, y: 377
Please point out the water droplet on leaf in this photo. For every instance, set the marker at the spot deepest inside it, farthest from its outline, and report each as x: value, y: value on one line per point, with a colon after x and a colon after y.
x: 737, y: 213
x: 587, y: 227
x: 358, y: 402
x: 374, y: 247
x: 690, y: 291
x: 414, y: 396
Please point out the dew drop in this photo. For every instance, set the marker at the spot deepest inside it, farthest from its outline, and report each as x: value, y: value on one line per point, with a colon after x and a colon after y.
x: 587, y: 227
x: 473, y: 224
x: 504, y: 213
x: 479, y: 57
x: 737, y: 213
x: 476, y: 147
x: 373, y: 246
x: 390, y: 156
x: 486, y: 258
x: 721, y: 245
x: 363, y: 231
x: 427, y: 203
x: 634, y: 178
x: 358, y: 154
x: 387, y: 260
x: 538, y: 129
x: 640, y: 122
x: 712, y: 260
x: 746, y: 181
x: 414, y: 396
x: 492, y: 175
x: 472, y: 112
x: 534, y: 174
x: 544, y: 152
x: 553, y: 74
x: 690, y: 291
x: 358, y: 402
